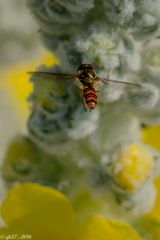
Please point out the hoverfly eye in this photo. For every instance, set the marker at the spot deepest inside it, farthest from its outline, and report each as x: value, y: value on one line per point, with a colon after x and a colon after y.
x: 85, y: 73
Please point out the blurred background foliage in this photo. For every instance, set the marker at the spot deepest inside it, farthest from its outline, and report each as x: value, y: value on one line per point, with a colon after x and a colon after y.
x: 17, y: 27
x: 20, y: 51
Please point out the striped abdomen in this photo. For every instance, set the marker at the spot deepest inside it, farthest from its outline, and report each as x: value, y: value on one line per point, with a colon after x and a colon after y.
x: 90, y: 97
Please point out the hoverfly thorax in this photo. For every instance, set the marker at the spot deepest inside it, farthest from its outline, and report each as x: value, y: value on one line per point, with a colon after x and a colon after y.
x: 86, y: 74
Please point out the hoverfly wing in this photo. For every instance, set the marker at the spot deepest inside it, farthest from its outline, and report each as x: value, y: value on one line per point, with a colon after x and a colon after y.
x: 106, y: 81
x: 51, y: 75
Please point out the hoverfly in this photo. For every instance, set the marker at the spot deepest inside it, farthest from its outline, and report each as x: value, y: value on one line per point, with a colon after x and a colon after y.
x: 87, y: 79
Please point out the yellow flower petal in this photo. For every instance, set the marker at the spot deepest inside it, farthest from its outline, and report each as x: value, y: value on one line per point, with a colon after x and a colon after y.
x: 132, y: 167
x: 85, y: 202
x: 50, y: 60
x: 40, y: 209
x: 151, y: 136
x: 98, y: 228
x: 45, y: 213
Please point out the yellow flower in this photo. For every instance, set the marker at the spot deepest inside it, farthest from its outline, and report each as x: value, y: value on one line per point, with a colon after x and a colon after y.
x: 45, y: 213
x: 132, y: 167
x: 151, y: 136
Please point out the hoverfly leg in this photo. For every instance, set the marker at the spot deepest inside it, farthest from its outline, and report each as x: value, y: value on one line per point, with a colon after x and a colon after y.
x: 98, y: 91
x: 84, y: 105
x: 82, y: 100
